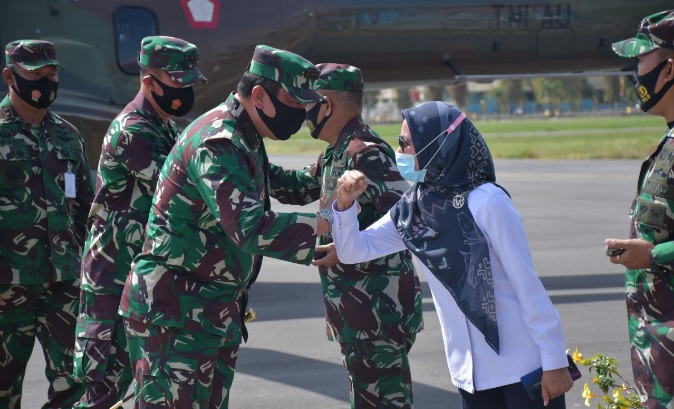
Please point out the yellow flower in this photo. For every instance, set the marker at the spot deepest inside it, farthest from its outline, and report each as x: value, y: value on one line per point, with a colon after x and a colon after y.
x: 577, y: 356
x: 618, y: 396
x: 587, y: 394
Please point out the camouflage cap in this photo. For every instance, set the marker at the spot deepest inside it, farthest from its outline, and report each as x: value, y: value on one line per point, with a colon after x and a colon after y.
x: 295, y: 74
x: 31, y: 54
x: 656, y: 31
x: 175, y: 56
x: 339, y: 77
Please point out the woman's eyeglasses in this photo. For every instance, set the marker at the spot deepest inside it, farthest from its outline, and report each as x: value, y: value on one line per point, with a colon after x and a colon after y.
x: 402, y: 143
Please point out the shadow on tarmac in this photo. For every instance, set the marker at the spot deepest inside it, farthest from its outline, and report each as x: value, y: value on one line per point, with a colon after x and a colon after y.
x: 319, y: 377
x: 286, y: 301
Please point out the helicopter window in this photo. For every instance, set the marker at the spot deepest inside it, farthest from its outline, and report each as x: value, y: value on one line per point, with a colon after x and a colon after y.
x: 132, y: 24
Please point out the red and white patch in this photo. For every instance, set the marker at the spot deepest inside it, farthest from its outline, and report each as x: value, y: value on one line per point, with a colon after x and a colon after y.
x: 176, y: 104
x: 35, y: 95
x: 202, y: 13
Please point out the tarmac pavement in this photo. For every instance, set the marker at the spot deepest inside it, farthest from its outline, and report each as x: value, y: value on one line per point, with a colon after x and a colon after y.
x: 568, y: 208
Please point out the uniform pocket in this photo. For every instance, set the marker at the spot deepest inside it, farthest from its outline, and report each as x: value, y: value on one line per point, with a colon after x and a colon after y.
x: 73, y: 157
x: 652, y: 213
x: 92, y: 348
x: 14, y: 163
x: 654, y: 340
x: 69, y: 151
x: 168, y: 378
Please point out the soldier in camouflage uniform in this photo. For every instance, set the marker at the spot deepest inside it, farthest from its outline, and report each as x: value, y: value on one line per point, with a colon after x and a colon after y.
x: 210, y: 225
x: 649, y: 254
x: 134, y: 150
x: 373, y: 309
x: 45, y: 194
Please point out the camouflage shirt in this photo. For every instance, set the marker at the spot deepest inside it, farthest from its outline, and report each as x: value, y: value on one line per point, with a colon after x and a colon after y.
x: 209, y: 226
x: 378, y: 299
x: 41, y: 230
x: 650, y: 292
x: 134, y: 150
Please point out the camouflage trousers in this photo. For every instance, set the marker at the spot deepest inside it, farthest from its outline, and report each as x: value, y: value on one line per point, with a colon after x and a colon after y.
x: 177, y: 368
x: 103, y: 366
x: 379, y: 373
x: 46, y: 311
x: 651, y: 339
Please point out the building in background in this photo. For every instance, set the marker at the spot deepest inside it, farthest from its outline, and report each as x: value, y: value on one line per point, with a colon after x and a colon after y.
x: 537, y: 96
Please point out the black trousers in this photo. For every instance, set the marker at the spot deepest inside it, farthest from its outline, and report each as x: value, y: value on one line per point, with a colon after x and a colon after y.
x: 512, y: 396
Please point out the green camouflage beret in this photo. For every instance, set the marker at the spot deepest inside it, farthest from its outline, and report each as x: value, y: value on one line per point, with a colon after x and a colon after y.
x: 31, y: 54
x: 656, y: 31
x: 175, y: 56
x: 339, y: 77
x: 295, y: 74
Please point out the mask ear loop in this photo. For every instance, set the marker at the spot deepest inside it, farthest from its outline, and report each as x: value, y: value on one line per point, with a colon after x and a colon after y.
x: 447, y: 131
x: 671, y: 60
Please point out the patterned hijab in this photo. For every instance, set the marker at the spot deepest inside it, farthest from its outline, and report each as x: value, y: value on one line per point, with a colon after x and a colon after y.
x: 433, y: 218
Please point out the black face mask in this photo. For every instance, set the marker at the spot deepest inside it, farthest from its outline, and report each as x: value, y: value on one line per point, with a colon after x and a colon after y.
x: 312, y: 121
x: 175, y: 101
x: 286, y: 122
x: 36, y: 93
x: 645, y: 84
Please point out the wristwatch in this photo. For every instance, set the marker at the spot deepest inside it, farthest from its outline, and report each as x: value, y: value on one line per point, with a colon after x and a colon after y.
x: 326, y: 214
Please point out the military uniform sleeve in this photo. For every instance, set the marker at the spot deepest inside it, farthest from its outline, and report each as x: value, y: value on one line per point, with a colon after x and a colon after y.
x: 292, y: 186
x: 662, y: 258
x: 385, y: 185
x: 84, y: 188
x: 222, y: 174
x: 131, y: 146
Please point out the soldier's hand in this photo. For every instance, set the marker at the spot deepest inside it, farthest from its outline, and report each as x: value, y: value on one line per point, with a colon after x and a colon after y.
x: 637, y: 254
x: 349, y: 186
x: 328, y: 255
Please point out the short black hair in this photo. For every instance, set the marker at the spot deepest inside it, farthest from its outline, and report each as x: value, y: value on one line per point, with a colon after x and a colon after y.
x: 142, y: 71
x: 666, y: 53
x: 353, y: 98
x: 249, y: 81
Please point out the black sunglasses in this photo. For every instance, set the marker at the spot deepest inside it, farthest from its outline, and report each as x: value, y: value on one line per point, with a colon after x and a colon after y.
x: 402, y: 142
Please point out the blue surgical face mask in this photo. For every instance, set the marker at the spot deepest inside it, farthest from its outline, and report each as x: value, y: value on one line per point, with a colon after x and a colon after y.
x: 406, y: 163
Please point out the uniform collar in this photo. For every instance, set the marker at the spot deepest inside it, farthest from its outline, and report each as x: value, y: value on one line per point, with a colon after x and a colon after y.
x: 8, y: 113
x: 349, y: 129
x: 240, y: 115
x: 142, y: 104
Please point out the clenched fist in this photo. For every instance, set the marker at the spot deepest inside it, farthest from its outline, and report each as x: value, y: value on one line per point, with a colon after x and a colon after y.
x: 349, y: 186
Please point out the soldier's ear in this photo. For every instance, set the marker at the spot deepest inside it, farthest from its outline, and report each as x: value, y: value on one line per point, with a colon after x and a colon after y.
x: 8, y: 76
x: 328, y: 105
x: 148, y: 81
x: 258, y: 94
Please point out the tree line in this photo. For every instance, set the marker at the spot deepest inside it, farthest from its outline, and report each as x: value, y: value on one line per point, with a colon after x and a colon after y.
x: 548, y: 93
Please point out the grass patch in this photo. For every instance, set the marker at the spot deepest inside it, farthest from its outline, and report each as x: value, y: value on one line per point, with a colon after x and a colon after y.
x: 617, y: 137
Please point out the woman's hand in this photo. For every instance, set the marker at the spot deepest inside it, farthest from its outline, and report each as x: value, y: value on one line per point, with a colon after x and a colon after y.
x: 349, y: 186
x: 554, y: 383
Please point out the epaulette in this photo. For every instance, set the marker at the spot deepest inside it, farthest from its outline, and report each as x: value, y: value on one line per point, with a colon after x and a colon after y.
x: 6, y: 112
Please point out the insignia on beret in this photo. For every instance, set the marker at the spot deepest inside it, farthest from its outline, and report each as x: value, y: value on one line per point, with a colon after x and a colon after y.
x: 312, y: 73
